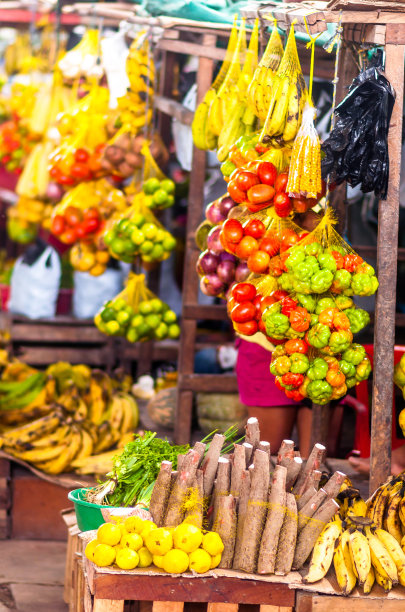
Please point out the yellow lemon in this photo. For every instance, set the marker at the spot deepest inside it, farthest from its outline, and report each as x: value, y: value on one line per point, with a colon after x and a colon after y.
x: 108, y: 533
x: 215, y: 561
x: 200, y: 561
x: 159, y: 541
x: 132, y: 540
x: 97, y: 270
x: 187, y: 537
x: 89, y: 550
x: 104, y: 555
x: 123, y: 530
x: 175, y: 561
x: 145, y: 558
x: 127, y: 559
x: 158, y: 560
x: 134, y: 524
x: 102, y: 257
x: 212, y: 543
x: 148, y: 526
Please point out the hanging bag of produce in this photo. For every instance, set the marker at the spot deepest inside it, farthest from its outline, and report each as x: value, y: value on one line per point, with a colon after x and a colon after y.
x: 157, y: 187
x: 137, y: 232
x: 91, y: 292
x: 137, y: 314
x: 35, y: 282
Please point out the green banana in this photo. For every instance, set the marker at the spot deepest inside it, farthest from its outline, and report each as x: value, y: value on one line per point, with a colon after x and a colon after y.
x: 15, y: 388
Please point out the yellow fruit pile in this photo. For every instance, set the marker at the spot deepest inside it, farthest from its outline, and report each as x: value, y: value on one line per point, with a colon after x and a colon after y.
x: 86, y: 257
x: 136, y: 542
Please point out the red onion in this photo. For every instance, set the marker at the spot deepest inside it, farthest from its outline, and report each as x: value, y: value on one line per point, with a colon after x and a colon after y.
x: 211, y: 285
x: 54, y: 192
x: 242, y: 272
x: 225, y: 205
x: 224, y: 256
x: 207, y: 263
x: 213, y: 214
x: 226, y: 272
x: 213, y: 241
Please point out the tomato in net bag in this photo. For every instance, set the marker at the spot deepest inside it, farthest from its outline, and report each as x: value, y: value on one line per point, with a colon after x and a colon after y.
x: 137, y: 232
x: 323, y: 261
x: 83, y: 210
x: 137, y: 314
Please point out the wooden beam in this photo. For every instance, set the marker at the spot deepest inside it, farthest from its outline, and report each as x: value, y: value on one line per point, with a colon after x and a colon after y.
x: 209, y: 383
x: 387, y: 242
x: 189, y: 48
x: 174, y: 109
x: 213, y: 312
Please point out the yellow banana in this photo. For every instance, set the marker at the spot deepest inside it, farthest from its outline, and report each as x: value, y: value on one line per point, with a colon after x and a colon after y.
x: 87, y: 445
x: 277, y: 85
x: 343, y: 567
x: 383, y: 581
x: 377, y: 512
x: 368, y: 584
x: 214, y: 121
x: 380, y: 558
x: 323, y: 552
x: 401, y: 512
x: 395, y: 552
x: 63, y: 461
x: 37, y: 455
x: 34, y: 430
x: 392, y: 521
x: 98, y: 401
x: 360, y: 555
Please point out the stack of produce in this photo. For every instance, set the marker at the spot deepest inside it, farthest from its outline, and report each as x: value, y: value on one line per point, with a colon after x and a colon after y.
x: 265, y: 529
x: 66, y: 414
x: 364, y: 540
x: 15, y: 145
x: 136, y: 542
x: 137, y: 314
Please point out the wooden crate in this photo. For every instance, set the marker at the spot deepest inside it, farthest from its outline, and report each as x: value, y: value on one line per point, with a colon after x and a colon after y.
x: 5, y: 499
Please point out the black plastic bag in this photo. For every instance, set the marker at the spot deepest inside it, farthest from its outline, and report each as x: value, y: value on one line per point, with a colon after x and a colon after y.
x: 356, y: 150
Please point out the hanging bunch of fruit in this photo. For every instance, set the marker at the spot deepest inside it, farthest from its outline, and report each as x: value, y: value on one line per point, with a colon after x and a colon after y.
x: 67, y: 413
x: 137, y: 314
x: 83, y: 61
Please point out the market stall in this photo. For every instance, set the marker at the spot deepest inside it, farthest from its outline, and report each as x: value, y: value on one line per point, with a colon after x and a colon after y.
x: 225, y: 522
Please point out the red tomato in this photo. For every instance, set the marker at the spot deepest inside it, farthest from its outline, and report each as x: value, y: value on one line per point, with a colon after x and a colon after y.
x: 260, y: 193
x: 300, y: 205
x: 69, y: 237
x: 288, y: 239
x: 281, y: 182
x: 243, y: 312
x: 254, y: 228
x: 80, y: 171
x: 262, y: 326
x: 246, y: 180
x: 91, y: 213
x: 236, y: 194
x: 91, y: 225
x: 72, y: 216
x: 63, y: 179
x: 267, y: 173
x: 81, y: 155
x: 246, y: 247
x: 232, y: 231
x: 53, y: 172
x: 279, y: 294
x: 228, y: 246
x: 258, y: 262
x: 244, y: 292
x: 247, y: 329
x: 270, y: 244
x: 294, y: 394
x: 58, y: 225
x: 267, y: 301
x: 261, y: 148
x: 302, y: 235
x: 99, y: 148
x: 254, y: 208
x: 80, y: 230
x: 257, y: 301
x: 282, y: 204
x: 296, y: 345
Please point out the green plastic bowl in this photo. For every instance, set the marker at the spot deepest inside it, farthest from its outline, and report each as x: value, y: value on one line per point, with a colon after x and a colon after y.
x: 88, y: 515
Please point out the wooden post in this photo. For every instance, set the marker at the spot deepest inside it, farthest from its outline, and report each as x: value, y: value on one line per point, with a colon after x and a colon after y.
x: 387, y: 244
x: 190, y: 291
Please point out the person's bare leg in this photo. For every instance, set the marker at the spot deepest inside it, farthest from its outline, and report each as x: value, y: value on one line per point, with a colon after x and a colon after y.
x: 276, y: 423
x: 397, y: 462
x: 304, y: 422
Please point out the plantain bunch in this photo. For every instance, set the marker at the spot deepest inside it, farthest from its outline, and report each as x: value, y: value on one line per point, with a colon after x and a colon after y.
x: 365, y: 540
x: 59, y: 420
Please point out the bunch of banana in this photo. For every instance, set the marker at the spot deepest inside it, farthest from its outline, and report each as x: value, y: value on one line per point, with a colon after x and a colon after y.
x: 288, y: 96
x: 16, y: 53
x: 259, y: 91
x: 206, y: 124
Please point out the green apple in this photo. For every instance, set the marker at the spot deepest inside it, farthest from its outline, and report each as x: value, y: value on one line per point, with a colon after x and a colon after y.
x: 169, y: 317
x: 151, y: 185
x: 161, y: 331
x: 174, y: 331
x: 168, y: 185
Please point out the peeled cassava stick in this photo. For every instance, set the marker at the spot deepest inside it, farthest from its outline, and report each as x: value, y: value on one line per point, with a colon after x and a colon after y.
x: 242, y: 509
x: 285, y: 454
x: 314, y: 462
x: 306, y: 497
x: 255, y: 513
x: 199, y: 447
x: 194, y: 514
x: 173, y: 477
x: 210, y: 463
x: 184, y: 480
x: 308, y: 536
x: 315, y: 478
x: 293, y: 470
x: 288, y: 538
x: 275, y: 517
x: 160, y: 493
x: 248, y: 452
x: 225, y: 526
x: 180, y: 459
x: 310, y: 508
x: 332, y: 487
x: 264, y: 446
x: 222, y: 484
x: 237, y: 469
x: 252, y: 434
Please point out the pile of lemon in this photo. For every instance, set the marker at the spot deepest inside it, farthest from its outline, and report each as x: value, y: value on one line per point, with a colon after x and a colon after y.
x: 135, y: 542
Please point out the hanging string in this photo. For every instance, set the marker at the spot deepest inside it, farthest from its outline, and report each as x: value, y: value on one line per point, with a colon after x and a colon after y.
x: 311, y: 44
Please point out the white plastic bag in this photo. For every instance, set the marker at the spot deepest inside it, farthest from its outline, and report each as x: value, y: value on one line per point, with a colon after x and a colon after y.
x: 90, y: 292
x: 34, y: 288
